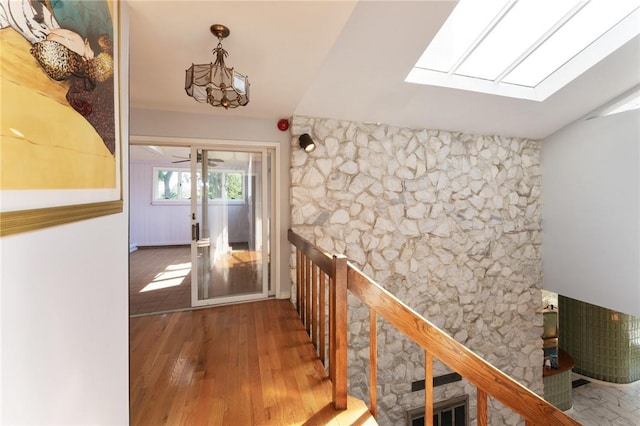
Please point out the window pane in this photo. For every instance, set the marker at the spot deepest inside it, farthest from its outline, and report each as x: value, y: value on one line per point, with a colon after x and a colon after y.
x: 461, y: 415
x: 215, y: 186
x: 185, y: 185
x: 529, y: 20
x: 167, y: 185
x: 234, y: 186
x: 199, y: 185
x: 447, y: 418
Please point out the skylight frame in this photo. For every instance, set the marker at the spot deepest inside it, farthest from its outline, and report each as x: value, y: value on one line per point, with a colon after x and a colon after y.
x: 611, y: 40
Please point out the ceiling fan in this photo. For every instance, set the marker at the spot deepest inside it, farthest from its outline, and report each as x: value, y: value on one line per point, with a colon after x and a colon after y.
x: 211, y: 161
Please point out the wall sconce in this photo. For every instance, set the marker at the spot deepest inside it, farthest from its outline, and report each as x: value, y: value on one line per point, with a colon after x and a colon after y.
x: 307, y: 143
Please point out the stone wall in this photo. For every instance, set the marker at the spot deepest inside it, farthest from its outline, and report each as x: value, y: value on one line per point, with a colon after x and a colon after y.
x: 451, y: 224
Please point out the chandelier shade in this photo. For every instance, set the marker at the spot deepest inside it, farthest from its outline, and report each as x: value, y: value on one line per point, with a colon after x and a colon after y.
x: 215, y: 83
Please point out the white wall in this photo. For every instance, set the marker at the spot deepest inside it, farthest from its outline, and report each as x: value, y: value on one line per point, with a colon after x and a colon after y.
x: 150, y: 224
x: 591, y: 198
x: 149, y: 123
x: 64, y: 317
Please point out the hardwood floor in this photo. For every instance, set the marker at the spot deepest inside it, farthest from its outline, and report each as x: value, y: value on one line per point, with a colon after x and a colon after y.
x: 159, y: 279
x: 235, y: 272
x: 245, y: 364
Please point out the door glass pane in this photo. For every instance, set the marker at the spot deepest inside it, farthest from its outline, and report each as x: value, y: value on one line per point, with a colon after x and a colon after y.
x: 185, y: 185
x: 232, y: 249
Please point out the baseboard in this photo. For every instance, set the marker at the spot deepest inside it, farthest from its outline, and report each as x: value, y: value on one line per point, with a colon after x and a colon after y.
x: 155, y: 246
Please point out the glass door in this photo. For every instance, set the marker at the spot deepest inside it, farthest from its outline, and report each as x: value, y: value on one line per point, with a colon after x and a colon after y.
x: 230, y: 220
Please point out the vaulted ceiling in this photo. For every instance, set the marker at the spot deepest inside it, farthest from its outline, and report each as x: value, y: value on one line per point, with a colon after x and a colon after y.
x: 342, y: 59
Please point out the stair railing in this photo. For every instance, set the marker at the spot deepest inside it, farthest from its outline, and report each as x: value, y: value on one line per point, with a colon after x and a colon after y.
x: 315, y: 269
x: 315, y: 272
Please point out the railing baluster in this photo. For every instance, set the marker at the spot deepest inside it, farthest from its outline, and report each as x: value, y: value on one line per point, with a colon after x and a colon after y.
x: 321, y: 308
x: 482, y: 407
x: 307, y: 287
x: 299, y: 281
x: 303, y: 285
x: 340, y: 332
x: 428, y: 388
x: 332, y: 330
x: 373, y: 362
x: 314, y: 305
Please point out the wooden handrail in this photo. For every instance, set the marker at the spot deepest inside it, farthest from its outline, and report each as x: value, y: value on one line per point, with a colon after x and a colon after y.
x: 342, y: 275
x: 487, y: 378
x: 319, y: 258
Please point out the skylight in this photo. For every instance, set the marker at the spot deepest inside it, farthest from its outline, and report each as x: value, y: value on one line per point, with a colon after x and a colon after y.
x: 524, y: 48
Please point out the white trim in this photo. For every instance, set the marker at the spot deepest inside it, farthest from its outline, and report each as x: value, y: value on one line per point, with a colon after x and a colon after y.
x: 227, y: 145
x: 617, y: 102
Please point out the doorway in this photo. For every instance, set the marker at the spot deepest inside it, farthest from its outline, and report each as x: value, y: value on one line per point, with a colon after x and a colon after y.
x: 230, y: 215
x: 225, y: 221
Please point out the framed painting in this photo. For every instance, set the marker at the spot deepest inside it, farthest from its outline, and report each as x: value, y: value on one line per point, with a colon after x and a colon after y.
x: 60, y: 141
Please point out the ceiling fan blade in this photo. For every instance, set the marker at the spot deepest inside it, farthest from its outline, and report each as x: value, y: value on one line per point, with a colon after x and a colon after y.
x: 211, y: 161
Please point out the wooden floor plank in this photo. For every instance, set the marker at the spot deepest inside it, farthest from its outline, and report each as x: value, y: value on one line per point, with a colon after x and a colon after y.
x: 246, y: 364
x: 160, y: 277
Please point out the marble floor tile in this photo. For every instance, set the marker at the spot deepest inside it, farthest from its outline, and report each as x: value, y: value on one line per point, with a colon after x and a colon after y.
x: 601, y: 404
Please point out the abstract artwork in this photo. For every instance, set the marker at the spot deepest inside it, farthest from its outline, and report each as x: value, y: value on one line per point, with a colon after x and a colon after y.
x: 60, y: 149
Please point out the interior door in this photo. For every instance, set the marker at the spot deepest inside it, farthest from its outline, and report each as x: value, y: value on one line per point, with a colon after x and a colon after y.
x: 230, y: 221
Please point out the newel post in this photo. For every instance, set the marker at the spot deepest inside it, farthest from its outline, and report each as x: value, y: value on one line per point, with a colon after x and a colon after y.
x: 339, y: 332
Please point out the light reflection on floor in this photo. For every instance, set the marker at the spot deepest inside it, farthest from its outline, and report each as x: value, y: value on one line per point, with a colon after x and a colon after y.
x: 172, y: 276
x: 160, y: 278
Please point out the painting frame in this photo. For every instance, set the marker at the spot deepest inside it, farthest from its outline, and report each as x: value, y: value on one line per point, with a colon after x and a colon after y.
x: 61, y: 206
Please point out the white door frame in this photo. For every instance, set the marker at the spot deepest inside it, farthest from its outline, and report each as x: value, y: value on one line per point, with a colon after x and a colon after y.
x: 230, y: 145
x: 196, y: 243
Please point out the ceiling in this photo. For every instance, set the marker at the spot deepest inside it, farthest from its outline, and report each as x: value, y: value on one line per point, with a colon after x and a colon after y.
x: 345, y: 60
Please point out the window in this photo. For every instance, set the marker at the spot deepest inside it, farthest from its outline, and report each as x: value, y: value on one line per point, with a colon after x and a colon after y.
x: 452, y: 412
x: 173, y: 185
x: 524, y: 48
x: 226, y: 185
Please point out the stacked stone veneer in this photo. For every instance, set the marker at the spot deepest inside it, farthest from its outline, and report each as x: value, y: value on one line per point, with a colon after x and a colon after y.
x: 448, y: 222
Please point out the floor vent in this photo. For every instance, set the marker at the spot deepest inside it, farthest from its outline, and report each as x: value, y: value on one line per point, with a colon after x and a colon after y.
x: 579, y: 382
x: 452, y: 412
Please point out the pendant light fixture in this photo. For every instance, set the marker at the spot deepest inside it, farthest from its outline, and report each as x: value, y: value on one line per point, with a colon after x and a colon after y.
x: 215, y: 83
